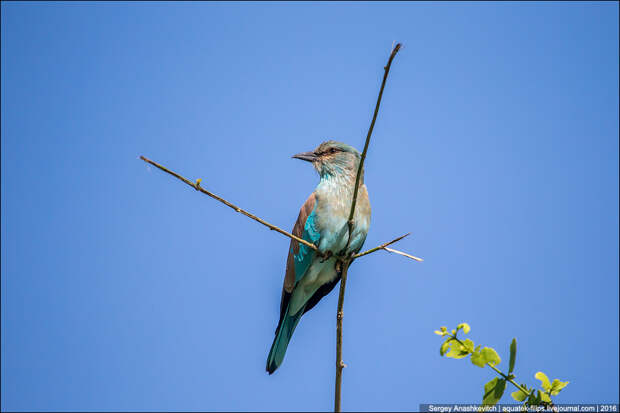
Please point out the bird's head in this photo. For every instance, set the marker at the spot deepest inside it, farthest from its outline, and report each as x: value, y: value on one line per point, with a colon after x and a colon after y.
x: 332, y: 158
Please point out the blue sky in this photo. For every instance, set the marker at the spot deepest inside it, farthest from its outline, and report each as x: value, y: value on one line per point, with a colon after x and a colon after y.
x: 496, y: 147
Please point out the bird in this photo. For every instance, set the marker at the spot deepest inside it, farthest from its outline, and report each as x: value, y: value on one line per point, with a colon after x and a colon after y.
x: 322, y: 221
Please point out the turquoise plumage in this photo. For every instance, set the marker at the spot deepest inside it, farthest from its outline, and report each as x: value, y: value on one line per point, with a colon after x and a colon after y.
x: 322, y: 221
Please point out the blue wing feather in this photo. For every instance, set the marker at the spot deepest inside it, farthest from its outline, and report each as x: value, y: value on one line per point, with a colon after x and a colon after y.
x: 304, y: 257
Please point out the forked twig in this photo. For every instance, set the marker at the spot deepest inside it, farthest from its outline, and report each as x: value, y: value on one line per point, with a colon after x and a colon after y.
x: 382, y: 246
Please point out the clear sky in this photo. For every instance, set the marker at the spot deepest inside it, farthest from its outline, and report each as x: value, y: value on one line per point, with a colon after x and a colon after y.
x: 496, y: 147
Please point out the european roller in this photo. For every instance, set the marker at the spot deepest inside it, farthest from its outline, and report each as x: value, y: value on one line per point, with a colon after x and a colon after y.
x: 322, y: 221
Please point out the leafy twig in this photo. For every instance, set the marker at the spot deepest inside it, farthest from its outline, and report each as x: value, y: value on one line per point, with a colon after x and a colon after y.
x: 494, y: 389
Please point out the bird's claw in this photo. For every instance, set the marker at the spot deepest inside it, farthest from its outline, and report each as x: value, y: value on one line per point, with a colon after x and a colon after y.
x: 326, y: 256
x: 343, y: 254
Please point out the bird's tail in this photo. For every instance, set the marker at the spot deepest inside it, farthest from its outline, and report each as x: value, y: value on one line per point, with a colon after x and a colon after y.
x: 283, y: 336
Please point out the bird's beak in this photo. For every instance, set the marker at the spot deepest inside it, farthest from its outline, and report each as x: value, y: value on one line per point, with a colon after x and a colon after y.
x: 306, y: 156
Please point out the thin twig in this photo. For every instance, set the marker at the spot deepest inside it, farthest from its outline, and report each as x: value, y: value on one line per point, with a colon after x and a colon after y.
x: 505, y: 377
x: 345, y: 265
x: 403, y: 254
x: 382, y: 246
x: 370, y: 129
x: 197, y: 187
x: 339, y: 363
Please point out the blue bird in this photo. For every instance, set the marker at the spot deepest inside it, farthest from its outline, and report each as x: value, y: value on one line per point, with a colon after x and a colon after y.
x: 323, y: 222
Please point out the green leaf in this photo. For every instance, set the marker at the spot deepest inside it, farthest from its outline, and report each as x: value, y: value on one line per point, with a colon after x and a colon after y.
x: 464, y: 326
x: 458, y: 350
x: 518, y: 395
x: 490, y: 356
x: 557, y: 386
x: 544, y: 380
x: 487, y: 355
x: 513, y: 355
x: 493, y: 391
x: 544, y: 397
x: 444, y: 347
x: 442, y: 331
x: 533, y: 399
x: 477, y: 359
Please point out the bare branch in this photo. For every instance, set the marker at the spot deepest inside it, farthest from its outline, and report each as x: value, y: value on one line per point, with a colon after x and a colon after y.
x: 344, y: 268
x: 403, y: 254
x: 382, y: 246
x: 197, y: 187
x: 368, y: 135
x: 345, y: 265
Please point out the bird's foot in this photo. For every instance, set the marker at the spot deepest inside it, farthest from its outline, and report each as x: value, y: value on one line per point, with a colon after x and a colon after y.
x: 338, y: 267
x: 326, y: 256
x: 343, y: 255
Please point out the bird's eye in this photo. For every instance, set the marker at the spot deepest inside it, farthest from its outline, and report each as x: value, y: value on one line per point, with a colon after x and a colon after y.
x: 333, y: 150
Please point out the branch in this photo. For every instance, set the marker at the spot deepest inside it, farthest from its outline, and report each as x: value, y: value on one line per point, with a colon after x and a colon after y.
x: 345, y: 265
x: 403, y: 254
x: 197, y: 187
x: 380, y: 247
x: 370, y: 129
x: 339, y: 315
x: 384, y: 247
x: 505, y: 377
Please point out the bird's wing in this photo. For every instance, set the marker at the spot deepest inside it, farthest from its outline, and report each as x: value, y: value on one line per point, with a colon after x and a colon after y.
x: 300, y: 256
x: 321, y: 292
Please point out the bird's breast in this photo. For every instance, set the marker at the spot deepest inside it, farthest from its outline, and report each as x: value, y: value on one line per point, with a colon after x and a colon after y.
x: 333, y: 208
